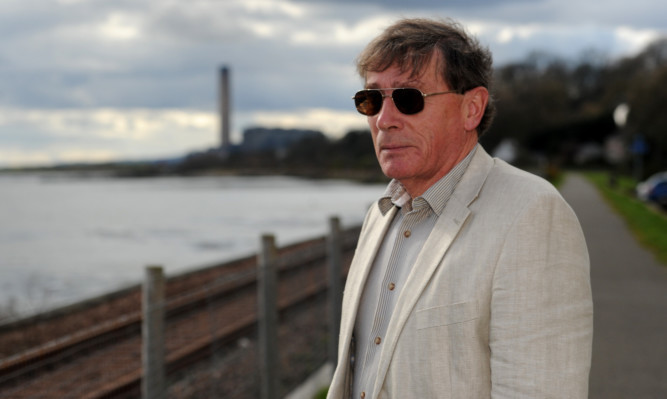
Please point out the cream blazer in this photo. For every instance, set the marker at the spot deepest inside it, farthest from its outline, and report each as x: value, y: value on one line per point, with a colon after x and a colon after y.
x: 498, y: 303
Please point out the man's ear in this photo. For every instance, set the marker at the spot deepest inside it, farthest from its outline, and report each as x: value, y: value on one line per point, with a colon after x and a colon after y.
x: 475, y: 101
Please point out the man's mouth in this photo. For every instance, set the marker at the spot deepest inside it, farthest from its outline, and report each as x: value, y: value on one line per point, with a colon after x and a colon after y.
x: 393, y: 147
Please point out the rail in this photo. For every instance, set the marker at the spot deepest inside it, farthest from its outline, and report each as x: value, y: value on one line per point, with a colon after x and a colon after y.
x: 224, y: 292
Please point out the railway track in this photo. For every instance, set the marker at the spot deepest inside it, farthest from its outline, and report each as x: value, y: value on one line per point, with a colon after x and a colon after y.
x: 210, y: 308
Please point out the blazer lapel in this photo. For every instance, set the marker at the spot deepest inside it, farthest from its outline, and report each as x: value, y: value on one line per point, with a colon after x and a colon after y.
x: 369, y: 243
x: 444, y: 232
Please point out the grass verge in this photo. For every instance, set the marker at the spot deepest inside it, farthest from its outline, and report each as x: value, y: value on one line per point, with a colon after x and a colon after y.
x: 647, y: 224
x: 322, y: 393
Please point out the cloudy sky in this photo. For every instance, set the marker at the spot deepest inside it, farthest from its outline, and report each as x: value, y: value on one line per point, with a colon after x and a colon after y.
x: 98, y: 80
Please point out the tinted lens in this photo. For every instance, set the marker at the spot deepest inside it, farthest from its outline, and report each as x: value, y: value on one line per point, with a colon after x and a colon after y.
x: 368, y: 102
x: 408, y: 101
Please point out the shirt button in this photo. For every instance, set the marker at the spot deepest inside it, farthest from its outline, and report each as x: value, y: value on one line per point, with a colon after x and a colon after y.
x: 391, y: 286
x: 378, y: 340
x: 407, y: 233
x: 363, y: 395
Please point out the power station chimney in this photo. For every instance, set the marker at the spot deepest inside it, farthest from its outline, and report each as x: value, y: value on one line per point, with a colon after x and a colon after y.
x: 225, y: 108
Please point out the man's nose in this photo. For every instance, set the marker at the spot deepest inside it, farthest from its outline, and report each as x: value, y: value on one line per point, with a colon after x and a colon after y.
x: 389, y: 116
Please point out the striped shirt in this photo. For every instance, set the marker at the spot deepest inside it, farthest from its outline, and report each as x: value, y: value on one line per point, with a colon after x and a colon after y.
x: 409, y: 230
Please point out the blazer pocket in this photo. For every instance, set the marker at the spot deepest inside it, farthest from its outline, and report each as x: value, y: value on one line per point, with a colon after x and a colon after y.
x: 447, y: 315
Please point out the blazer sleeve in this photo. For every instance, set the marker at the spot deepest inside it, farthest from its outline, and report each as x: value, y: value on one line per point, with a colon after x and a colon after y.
x: 541, y: 321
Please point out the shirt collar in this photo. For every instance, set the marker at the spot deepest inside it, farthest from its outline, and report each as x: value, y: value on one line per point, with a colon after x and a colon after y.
x: 436, y: 196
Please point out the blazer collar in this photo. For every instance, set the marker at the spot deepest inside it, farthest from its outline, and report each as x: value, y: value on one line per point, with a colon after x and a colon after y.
x: 474, y: 177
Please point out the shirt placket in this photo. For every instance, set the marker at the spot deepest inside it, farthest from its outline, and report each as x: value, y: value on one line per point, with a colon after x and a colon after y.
x: 390, y: 289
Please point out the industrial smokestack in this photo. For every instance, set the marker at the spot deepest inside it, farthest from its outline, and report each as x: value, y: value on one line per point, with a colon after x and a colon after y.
x: 225, y: 108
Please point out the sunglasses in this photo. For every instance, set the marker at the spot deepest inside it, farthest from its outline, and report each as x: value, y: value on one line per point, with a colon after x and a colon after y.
x: 406, y: 99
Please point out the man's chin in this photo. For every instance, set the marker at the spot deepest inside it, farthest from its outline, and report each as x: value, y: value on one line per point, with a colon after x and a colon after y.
x: 394, y: 171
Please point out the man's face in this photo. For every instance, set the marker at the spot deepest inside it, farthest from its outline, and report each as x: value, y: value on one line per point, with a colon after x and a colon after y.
x: 419, y: 149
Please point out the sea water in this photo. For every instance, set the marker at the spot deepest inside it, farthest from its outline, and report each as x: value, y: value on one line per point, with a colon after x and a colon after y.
x: 66, y: 237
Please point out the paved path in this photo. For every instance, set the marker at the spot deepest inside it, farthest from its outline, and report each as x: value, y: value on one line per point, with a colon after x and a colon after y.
x: 630, y: 299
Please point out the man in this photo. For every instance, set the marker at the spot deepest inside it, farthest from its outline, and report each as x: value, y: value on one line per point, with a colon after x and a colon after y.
x: 471, y: 277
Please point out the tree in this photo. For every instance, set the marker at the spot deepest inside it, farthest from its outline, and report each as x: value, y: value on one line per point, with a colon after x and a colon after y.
x: 648, y: 117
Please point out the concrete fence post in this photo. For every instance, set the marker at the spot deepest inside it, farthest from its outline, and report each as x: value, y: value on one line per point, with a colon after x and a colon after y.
x: 152, y: 355
x: 334, y: 270
x: 268, y: 317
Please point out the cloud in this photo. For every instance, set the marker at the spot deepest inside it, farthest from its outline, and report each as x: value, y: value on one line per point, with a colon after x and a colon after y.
x: 72, y: 135
x: 424, y: 4
x: 48, y: 136
x: 139, y: 61
x: 513, y: 43
x: 336, y: 33
x: 629, y: 40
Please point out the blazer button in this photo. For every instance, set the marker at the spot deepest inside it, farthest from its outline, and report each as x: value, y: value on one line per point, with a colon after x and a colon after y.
x: 407, y: 233
x: 363, y: 395
x: 391, y: 286
x: 378, y: 340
